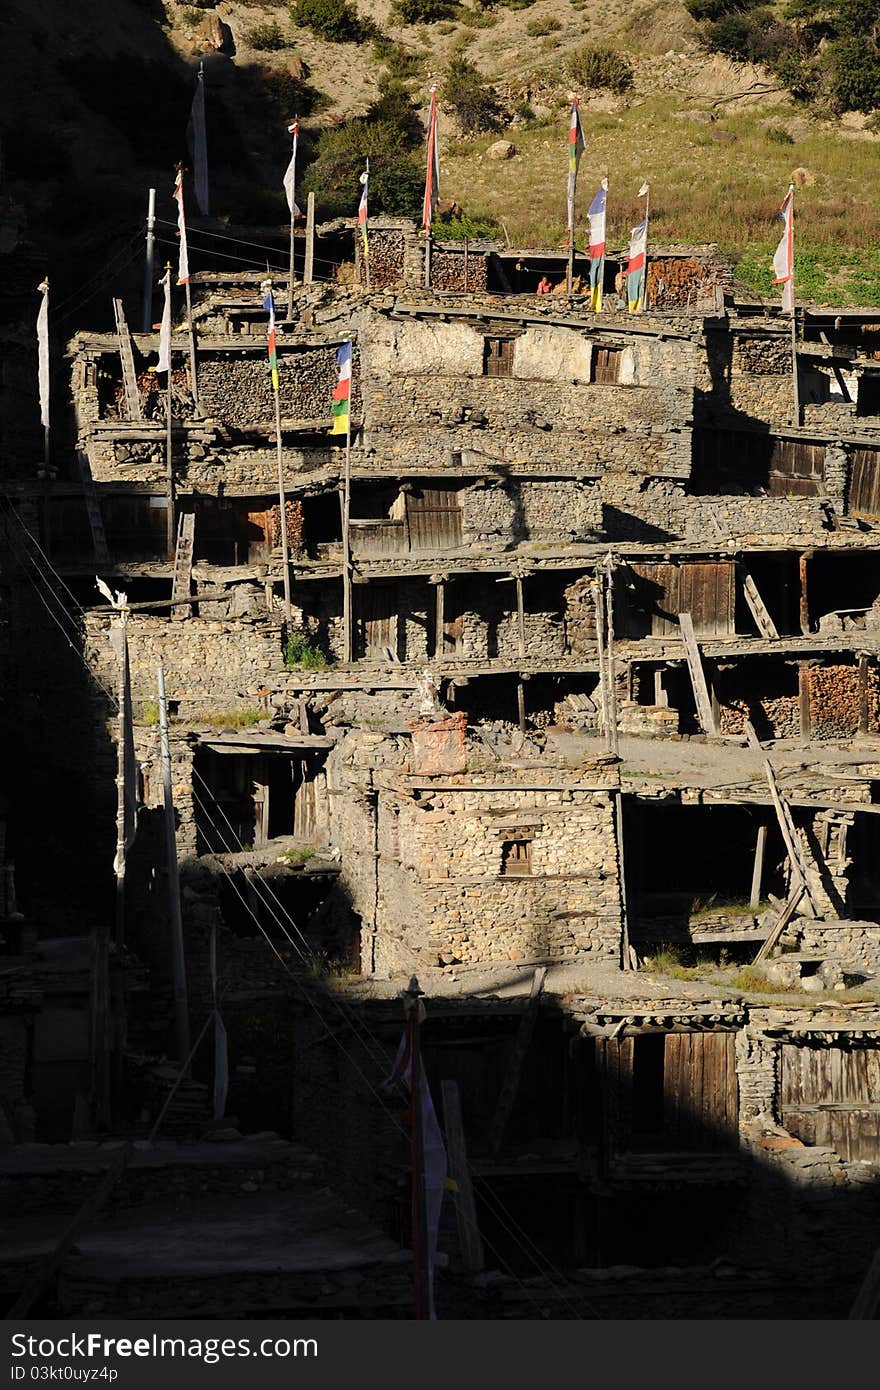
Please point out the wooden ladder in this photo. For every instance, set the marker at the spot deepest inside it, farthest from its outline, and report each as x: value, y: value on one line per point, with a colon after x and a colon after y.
x: 758, y: 608
x: 93, y: 512
x: 698, y: 676
x: 510, y: 1087
x: 129, y: 376
x: 183, y: 556
x: 796, y: 854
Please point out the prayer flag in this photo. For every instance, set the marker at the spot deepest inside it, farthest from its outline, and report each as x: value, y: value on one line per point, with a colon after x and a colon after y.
x: 433, y: 1154
x: 340, y: 409
x: 197, y: 140
x: 183, y: 262
x: 432, y: 167
x: 269, y: 306
x: 362, y: 209
x: 164, y: 363
x: 290, y: 175
x: 783, y: 261
x: 635, y: 271
x: 596, y: 215
x: 575, y: 150
x: 43, y: 353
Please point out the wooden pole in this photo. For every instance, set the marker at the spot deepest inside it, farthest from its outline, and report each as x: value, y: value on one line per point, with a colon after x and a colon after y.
x: 309, y: 264
x: 804, y: 698
x: 795, y: 384
x: 613, y: 743
x: 147, y: 320
x: 178, y: 961
x: 413, y: 1009
x: 292, y: 276
x: 170, y: 519
x: 521, y: 703
x: 440, y: 620
x: 346, y: 542
x: 520, y: 617
x: 282, y: 503
x: 123, y: 701
x: 428, y: 247
x: 804, y: 593
x: 600, y: 652
x: 758, y: 870
x: 194, y: 381
x: 863, y: 693
x: 647, y: 215
x: 470, y: 1243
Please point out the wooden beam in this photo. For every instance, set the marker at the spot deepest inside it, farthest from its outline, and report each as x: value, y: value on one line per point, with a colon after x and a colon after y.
x: 867, y: 1301
x: 309, y: 266
x: 510, y: 1086
x: 804, y: 593
x: 42, y: 1276
x: 470, y: 1243
x: 781, y: 922
x: 863, y: 693
x: 520, y: 616
x: 439, y: 636
x: 758, y: 870
x: 758, y: 608
x: 698, y: 676
x: 804, y: 698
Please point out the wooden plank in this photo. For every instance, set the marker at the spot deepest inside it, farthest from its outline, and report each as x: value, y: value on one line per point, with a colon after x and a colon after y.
x: 129, y: 376
x: 510, y: 1085
x: 758, y: 868
x: 698, y: 676
x: 40, y: 1280
x: 758, y: 608
x: 469, y: 1240
x: 93, y: 511
x: 183, y: 557
x: 796, y: 854
x: 781, y: 922
x: 866, y: 1304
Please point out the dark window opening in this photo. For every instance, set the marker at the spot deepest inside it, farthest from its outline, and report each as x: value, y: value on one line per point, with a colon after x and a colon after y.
x: 647, y: 1087
x: 606, y: 365
x: 745, y: 460
x: 516, y: 858
x: 869, y: 396
x: 498, y: 356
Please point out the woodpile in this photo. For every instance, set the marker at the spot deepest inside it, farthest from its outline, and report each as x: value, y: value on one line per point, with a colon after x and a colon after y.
x: 834, y: 701
x: 773, y: 718
x: 294, y: 513
x: 387, y: 255
x: 680, y: 282
x: 448, y: 270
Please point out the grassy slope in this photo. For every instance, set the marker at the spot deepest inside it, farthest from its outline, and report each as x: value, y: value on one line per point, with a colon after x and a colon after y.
x: 704, y: 186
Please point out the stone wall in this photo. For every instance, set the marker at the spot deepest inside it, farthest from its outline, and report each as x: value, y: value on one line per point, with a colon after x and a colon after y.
x: 210, y: 666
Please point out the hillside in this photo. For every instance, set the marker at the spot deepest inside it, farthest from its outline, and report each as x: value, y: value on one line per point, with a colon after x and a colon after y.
x: 97, y: 98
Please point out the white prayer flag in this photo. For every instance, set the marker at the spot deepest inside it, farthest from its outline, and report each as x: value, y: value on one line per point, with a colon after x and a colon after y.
x: 43, y: 353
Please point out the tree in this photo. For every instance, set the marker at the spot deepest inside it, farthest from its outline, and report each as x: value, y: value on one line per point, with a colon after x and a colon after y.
x: 473, y: 102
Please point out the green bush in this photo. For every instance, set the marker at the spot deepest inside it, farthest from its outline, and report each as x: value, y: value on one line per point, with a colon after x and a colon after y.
x: 473, y: 102
x: 476, y: 19
x: 337, y: 21
x: 190, y: 15
x: 466, y: 228
x: 266, y: 37
x: 597, y: 68
x: 422, y: 11
x: 537, y: 28
x: 715, y: 9
x: 778, y: 135
x: 855, y: 74
x: 302, y: 652
x: 401, y: 62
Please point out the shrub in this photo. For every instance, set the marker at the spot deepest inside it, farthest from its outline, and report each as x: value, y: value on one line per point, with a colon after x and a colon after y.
x: 473, y: 102
x: 266, y: 37
x: 778, y: 135
x: 715, y: 9
x: 388, y: 134
x: 400, y: 62
x: 855, y: 74
x: 192, y: 16
x: 466, y: 228
x: 422, y: 11
x: 477, y: 19
x: 337, y: 21
x: 598, y: 68
x: 302, y: 653
x: 537, y: 28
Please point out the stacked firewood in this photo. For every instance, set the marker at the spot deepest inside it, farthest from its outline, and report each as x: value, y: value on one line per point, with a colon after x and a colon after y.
x: 448, y: 270
x: 679, y: 283
x: 294, y: 513
x: 386, y: 259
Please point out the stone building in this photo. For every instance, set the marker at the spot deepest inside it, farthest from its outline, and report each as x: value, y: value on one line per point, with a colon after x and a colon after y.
x: 580, y: 674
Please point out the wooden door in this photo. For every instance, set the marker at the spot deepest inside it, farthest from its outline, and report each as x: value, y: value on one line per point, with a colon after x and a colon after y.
x: 673, y: 1092
x: 657, y: 593
x: 305, y: 811
x: 375, y: 621
x: 831, y: 1096
x: 864, y: 487
x: 434, y: 518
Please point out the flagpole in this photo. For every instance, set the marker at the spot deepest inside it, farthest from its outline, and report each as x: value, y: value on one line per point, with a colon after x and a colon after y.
x: 189, y: 319
x: 795, y: 384
x: 170, y: 519
x: 178, y: 959
x: 148, y: 268
x: 294, y: 129
x: 413, y: 1014
x: 366, y: 246
x: 45, y: 393
x: 346, y: 540
x: 647, y: 215
x: 122, y: 740
x: 571, y: 195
